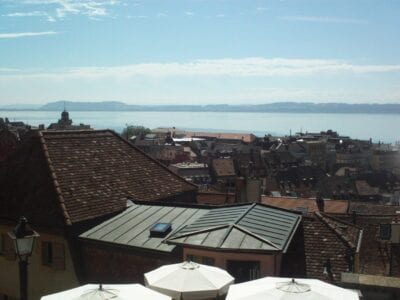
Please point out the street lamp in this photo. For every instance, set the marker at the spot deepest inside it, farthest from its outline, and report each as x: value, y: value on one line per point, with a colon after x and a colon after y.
x: 23, y: 238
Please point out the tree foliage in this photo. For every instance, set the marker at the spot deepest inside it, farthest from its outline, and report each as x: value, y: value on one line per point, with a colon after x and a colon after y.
x: 132, y: 130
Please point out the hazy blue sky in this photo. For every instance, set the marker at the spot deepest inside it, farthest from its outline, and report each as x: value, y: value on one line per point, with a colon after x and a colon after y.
x: 200, y: 51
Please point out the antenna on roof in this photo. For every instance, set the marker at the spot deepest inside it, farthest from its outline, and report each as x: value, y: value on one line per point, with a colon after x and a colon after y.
x: 64, y: 105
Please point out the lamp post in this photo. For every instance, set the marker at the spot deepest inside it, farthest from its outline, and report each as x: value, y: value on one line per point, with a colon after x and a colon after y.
x: 23, y: 238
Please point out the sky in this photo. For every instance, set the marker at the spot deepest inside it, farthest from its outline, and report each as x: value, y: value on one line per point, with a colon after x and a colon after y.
x: 200, y: 51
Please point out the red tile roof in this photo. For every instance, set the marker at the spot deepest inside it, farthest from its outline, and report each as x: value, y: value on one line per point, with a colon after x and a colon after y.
x: 331, y: 206
x: 365, y: 208
x: 324, y: 240
x: 88, y: 173
x: 211, y: 198
x: 374, y: 253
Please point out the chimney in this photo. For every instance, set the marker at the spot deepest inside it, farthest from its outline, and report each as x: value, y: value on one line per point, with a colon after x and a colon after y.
x: 354, y: 217
x: 240, y: 187
x: 320, y: 203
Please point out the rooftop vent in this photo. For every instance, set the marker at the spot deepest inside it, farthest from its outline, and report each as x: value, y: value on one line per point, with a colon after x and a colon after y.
x: 160, y: 229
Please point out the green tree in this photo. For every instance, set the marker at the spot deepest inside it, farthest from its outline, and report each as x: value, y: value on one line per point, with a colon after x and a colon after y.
x: 132, y: 130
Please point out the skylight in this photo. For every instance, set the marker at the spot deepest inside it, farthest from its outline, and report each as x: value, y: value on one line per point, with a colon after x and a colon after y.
x: 160, y: 229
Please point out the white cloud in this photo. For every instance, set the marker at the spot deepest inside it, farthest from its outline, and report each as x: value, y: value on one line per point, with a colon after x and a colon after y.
x: 27, y: 14
x: 90, y: 8
x: 323, y: 19
x: 35, y: 13
x: 14, y: 35
x: 244, y: 67
x: 189, y: 13
x: 51, y: 19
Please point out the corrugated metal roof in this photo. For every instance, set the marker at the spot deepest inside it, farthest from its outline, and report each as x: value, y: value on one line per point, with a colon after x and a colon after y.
x: 132, y: 227
x: 252, y: 227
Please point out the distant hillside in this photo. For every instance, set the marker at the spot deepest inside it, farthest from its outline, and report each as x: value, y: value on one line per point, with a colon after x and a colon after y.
x: 85, y: 106
x: 283, y: 107
x: 20, y: 107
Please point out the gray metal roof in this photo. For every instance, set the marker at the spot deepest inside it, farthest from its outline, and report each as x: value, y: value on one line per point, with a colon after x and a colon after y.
x: 132, y: 227
x: 252, y: 227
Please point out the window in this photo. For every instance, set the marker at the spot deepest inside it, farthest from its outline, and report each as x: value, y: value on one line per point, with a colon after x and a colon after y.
x: 243, y: 270
x: 47, y: 253
x: 53, y: 255
x: 205, y: 260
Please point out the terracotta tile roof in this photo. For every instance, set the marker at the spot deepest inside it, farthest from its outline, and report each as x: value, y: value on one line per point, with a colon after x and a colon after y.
x: 348, y: 232
x: 374, y: 253
x: 215, y: 198
x: 27, y: 188
x: 322, y: 241
x: 94, y: 172
x: 331, y: 206
x: 223, y: 167
x: 365, y: 208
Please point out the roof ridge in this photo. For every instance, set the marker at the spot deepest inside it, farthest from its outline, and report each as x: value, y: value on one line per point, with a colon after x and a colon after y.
x: 255, y: 236
x: 72, y: 131
x: 197, y: 231
x: 55, y: 181
x: 333, y: 228
x: 150, y: 157
x: 235, y: 222
x: 279, y: 208
x: 328, y: 215
x: 179, y: 228
x: 238, y: 219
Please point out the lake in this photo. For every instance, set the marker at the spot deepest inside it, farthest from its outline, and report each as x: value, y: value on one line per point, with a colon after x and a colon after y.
x: 379, y: 127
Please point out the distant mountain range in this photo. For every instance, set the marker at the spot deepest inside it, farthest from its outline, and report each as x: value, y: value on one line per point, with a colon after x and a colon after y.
x: 282, y: 107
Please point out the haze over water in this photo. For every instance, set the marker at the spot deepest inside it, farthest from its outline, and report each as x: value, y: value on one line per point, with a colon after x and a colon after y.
x: 379, y: 127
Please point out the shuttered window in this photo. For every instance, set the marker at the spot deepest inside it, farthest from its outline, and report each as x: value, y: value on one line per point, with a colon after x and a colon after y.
x: 53, y: 255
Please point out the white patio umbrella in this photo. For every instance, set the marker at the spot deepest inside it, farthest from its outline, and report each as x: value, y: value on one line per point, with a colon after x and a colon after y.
x: 189, y: 280
x: 108, y: 291
x: 278, y: 288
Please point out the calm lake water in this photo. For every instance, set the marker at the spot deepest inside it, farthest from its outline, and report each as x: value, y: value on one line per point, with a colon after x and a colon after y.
x: 379, y: 127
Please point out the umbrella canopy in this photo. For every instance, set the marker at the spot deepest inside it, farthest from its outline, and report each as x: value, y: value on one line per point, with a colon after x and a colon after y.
x: 108, y: 291
x: 278, y: 288
x: 189, y: 280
